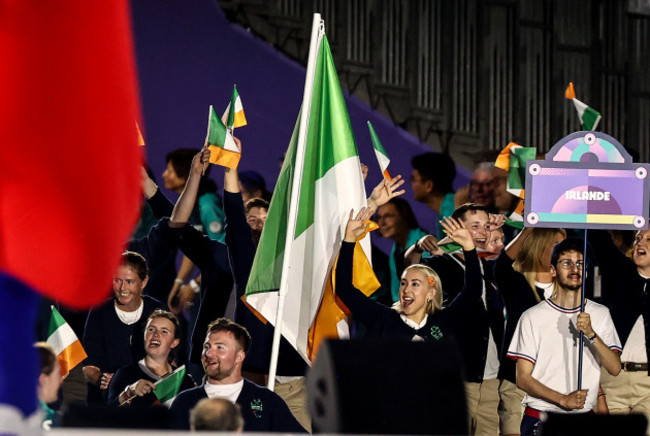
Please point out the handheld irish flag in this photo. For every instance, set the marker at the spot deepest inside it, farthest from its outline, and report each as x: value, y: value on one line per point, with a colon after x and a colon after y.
x: 382, y: 156
x: 167, y: 388
x: 65, y: 343
x: 513, y: 159
x: 234, y: 117
x: 223, y: 150
x: 320, y: 182
x: 589, y: 117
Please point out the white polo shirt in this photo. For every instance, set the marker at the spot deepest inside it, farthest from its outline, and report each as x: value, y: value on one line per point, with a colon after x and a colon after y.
x: 546, y: 336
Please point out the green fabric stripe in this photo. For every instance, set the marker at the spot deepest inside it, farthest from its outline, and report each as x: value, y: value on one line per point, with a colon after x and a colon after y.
x: 330, y: 139
x: 376, y: 143
x: 589, y: 118
x: 231, y: 113
x: 168, y: 388
x: 56, y: 321
x: 267, y: 266
x: 517, y: 171
x: 217, y: 135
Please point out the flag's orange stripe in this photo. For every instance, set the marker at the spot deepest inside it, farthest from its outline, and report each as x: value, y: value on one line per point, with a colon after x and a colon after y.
x: 570, y: 92
x: 331, y: 310
x: 387, y: 175
x: 252, y: 309
x: 225, y: 158
x: 71, y: 356
x: 240, y: 119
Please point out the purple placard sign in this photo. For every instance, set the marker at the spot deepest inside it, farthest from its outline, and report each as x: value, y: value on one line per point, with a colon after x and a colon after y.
x: 588, y: 181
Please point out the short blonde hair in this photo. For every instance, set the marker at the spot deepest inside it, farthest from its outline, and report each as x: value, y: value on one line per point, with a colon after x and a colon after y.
x: 433, y: 304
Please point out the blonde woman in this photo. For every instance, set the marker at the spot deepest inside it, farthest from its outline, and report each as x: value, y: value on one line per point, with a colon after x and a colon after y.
x: 418, y: 314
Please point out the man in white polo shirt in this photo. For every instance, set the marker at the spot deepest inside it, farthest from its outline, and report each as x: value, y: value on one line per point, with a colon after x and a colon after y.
x: 545, y: 344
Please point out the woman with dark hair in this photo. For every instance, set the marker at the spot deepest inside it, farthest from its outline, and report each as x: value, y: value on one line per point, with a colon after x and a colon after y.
x: 133, y: 384
x: 397, y: 222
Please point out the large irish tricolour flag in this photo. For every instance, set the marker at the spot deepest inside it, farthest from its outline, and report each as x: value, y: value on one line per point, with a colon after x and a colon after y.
x: 320, y: 182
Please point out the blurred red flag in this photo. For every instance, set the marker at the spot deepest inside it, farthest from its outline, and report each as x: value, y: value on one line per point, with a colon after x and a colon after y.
x: 69, y: 187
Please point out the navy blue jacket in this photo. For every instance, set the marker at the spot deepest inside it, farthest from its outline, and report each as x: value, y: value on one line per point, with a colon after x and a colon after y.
x: 473, y: 334
x: 624, y: 291
x: 382, y: 321
x: 111, y: 344
x: 262, y: 409
x: 211, y: 257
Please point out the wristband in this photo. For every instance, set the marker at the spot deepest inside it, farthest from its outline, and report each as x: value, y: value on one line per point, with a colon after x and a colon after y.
x: 177, y: 280
x: 195, y: 286
x: 591, y: 339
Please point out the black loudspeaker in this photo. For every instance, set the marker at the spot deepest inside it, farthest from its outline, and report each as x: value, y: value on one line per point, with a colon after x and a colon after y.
x: 564, y: 424
x: 387, y: 387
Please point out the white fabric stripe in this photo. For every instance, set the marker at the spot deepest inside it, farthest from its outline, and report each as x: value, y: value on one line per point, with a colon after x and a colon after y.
x: 382, y: 159
x: 62, y: 338
x: 238, y: 105
x: 580, y: 107
x: 314, y: 251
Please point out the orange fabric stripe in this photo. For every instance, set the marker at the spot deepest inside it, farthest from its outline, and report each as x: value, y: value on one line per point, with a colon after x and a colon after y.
x: 332, y: 310
x: 71, y: 356
x: 252, y: 309
x: 570, y: 92
x: 387, y: 175
x: 240, y: 119
x: 223, y: 157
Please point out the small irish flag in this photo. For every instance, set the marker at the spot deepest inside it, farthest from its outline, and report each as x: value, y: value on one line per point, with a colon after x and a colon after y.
x: 223, y: 150
x: 382, y: 157
x: 513, y: 159
x: 65, y: 343
x: 234, y: 118
x: 589, y: 117
x: 167, y: 388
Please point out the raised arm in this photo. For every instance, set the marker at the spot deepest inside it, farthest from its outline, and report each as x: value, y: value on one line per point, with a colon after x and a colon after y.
x: 384, y: 191
x: 473, y: 285
x: 159, y: 204
x: 185, y: 204
x: 362, y: 307
x: 514, y: 247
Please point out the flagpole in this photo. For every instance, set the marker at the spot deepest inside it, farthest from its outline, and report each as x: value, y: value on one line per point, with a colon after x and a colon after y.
x: 582, y: 309
x: 316, y: 36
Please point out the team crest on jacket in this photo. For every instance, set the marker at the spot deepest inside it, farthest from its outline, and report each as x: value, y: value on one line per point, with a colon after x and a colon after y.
x: 256, y: 408
x: 436, y: 333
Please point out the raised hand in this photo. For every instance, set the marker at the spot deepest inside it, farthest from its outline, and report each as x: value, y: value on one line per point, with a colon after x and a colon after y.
x: 201, y: 160
x: 149, y: 187
x: 496, y: 221
x: 458, y: 233
x: 428, y: 243
x: 384, y: 191
x: 357, y: 225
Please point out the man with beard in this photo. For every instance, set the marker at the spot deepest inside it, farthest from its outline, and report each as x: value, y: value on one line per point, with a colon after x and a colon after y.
x: 224, y: 351
x: 545, y: 344
x: 256, y: 213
